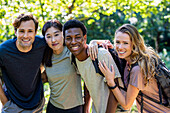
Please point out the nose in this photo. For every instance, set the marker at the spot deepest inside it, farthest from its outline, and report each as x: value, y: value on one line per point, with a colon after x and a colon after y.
x: 120, y: 46
x: 25, y: 34
x: 73, y: 41
x: 53, y: 39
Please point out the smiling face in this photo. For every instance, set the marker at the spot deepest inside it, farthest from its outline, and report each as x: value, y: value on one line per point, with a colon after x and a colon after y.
x: 75, y: 41
x: 123, y: 45
x: 25, y: 35
x: 54, y: 39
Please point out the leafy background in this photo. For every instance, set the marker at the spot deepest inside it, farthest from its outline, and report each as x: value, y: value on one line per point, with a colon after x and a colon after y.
x: 101, y: 17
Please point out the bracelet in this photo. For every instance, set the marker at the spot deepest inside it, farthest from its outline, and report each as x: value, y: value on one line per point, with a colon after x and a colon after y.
x: 112, y: 87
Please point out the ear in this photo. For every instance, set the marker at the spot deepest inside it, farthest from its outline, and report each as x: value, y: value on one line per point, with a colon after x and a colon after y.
x: 85, y: 38
x: 35, y: 33
x: 15, y: 33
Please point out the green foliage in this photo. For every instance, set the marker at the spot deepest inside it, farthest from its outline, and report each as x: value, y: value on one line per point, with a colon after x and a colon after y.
x: 101, y: 17
x: 165, y: 57
x: 46, y: 95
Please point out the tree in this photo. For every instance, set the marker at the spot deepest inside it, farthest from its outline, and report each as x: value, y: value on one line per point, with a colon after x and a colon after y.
x: 102, y: 17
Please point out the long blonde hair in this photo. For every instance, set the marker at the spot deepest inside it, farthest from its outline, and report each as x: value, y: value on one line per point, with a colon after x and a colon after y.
x: 145, y: 56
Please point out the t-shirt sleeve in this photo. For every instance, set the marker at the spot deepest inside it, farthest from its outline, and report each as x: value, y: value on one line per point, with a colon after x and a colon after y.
x: 136, y: 78
x: 106, y: 56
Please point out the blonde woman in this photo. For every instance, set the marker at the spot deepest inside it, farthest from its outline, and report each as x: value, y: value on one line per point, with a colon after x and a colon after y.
x: 130, y: 46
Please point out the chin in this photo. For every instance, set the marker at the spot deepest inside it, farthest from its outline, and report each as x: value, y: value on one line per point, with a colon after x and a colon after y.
x: 75, y: 54
x: 27, y: 45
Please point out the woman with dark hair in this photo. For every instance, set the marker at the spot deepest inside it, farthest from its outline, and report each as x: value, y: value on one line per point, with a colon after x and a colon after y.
x: 65, y: 83
x: 140, y: 64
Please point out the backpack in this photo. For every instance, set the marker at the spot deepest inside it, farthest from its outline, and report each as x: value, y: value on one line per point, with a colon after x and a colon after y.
x: 163, y: 81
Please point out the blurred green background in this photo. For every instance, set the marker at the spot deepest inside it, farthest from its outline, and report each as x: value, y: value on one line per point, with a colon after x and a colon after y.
x: 101, y: 17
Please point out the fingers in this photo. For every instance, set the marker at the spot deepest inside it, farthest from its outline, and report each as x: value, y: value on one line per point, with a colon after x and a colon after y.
x: 105, y: 66
x: 112, y: 69
x: 96, y: 48
x: 107, y: 44
x: 100, y: 65
x: 88, y: 51
x: 102, y: 45
x: 93, y: 51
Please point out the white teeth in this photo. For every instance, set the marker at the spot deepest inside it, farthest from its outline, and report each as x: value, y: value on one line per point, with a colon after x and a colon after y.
x: 25, y: 40
x: 75, y: 48
x: 121, y: 52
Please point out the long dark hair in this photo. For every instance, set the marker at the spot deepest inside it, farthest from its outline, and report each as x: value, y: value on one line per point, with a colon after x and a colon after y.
x: 48, y: 51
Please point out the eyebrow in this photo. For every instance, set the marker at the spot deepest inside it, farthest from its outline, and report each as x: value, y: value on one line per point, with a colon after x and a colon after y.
x: 24, y: 29
x: 54, y: 32
x: 70, y: 35
x: 77, y: 34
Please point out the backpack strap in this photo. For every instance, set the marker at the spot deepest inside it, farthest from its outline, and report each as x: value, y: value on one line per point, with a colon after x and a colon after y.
x: 156, y: 101
x: 125, y: 88
x: 140, y: 93
x: 73, y: 60
x: 95, y: 63
x: 96, y: 66
x: 160, y: 93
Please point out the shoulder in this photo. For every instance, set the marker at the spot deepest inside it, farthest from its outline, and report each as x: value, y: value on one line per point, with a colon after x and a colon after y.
x: 7, y: 42
x: 6, y: 45
x: 104, y: 54
x: 136, y: 69
x: 67, y: 50
x: 40, y: 41
x: 136, y: 72
x: 137, y: 78
x: 39, y: 38
x: 102, y: 51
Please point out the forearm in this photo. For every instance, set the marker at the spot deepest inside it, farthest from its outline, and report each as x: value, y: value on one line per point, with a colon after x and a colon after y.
x: 104, y: 43
x: 87, y: 100
x: 44, y: 77
x: 125, y: 101
x: 120, y: 98
x: 112, y: 104
x: 3, y: 97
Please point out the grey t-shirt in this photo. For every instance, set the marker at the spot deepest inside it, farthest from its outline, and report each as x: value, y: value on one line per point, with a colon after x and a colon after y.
x: 65, y: 84
x: 98, y: 89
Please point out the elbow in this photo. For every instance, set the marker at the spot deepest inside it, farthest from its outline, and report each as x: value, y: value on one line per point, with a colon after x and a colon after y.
x: 126, y: 107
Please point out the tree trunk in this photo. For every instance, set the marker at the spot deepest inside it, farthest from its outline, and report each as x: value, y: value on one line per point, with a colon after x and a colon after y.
x: 157, y: 42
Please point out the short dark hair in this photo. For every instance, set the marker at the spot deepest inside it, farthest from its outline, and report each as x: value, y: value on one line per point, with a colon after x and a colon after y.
x: 74, y: 24
x: 25, y: 17
x: 47, y: 58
